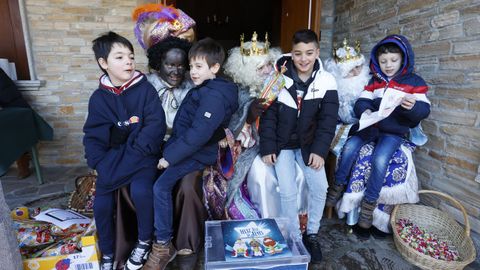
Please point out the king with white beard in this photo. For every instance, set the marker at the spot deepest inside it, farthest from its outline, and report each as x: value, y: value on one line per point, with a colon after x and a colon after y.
x: 348, y: 67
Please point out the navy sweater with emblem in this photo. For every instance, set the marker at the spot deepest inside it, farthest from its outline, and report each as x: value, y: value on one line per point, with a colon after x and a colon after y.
x: 310, y: 126
x: 137, y: 109
x: 206, y: 108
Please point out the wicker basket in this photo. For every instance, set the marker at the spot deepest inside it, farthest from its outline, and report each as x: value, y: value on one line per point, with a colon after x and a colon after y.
x: 84, y: 190
x: 439, y: 223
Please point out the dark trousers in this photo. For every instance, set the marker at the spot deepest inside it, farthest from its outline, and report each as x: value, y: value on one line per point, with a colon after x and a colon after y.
x: 141, y: 194
x: 162, y: 190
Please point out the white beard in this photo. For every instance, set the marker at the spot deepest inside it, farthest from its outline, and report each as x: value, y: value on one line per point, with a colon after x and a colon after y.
x: 256, y: 85
x: 349, y: 89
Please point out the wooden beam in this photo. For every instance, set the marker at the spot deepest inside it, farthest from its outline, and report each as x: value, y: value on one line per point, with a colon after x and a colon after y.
x: 316, y: 17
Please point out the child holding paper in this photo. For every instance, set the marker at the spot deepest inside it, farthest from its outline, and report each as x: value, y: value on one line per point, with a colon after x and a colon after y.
x: 392, y: 65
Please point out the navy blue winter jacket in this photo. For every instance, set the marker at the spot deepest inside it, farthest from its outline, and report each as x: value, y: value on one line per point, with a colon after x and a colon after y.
x: 401, y: 120
x: 205, y: 108
x: 314, y: 124
x: 136, y: 109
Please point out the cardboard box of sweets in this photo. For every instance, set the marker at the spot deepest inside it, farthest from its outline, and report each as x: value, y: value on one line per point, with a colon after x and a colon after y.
x: 87, y: 259
x: 253, y: 244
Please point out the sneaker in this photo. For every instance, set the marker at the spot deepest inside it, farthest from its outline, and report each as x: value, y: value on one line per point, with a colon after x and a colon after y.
x: 160, y: 256
x: 138, y: 256
x: 366, y: 214
x: 106, y: 263
x: 334, y: 194
x: 312, y: 243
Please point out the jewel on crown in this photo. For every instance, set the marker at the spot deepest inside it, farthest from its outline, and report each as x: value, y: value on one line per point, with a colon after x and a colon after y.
x: 346, y: 53
x: 254, y: 48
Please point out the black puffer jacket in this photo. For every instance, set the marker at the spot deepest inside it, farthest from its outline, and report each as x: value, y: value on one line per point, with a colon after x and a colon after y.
x: 314, y: 125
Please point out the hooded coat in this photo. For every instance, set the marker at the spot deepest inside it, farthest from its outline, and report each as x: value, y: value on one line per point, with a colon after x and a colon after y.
x: 400, y: 120
x: 135, y: 109
x: 206, y: 108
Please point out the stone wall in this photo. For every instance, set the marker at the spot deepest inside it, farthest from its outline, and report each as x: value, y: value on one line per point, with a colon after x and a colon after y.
x: 445, y: 37
x: 327, y: 28
x: 61, y: 33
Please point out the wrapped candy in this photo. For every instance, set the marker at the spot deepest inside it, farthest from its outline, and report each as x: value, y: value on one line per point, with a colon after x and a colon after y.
x: 74, y: 229
x: 29, y: 224
x: 424, y: 242
x: 59, y: 248
x: 29, y: 238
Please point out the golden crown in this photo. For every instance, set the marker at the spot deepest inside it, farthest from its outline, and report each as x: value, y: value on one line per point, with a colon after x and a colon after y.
x: 346, y: 53
x: 254, y: 48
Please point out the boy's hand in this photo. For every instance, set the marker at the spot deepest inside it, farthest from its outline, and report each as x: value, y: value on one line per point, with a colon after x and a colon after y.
x: 162, y: 164
x: 408, y: 101
x: 315, y: 161
x: 270, y: 159
x: 223, y: 143
x: 367, y: 112
x: 118, y: 136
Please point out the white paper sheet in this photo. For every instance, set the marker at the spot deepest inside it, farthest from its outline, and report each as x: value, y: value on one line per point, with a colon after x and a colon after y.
x: 62, y: 218
x: 390, y: 100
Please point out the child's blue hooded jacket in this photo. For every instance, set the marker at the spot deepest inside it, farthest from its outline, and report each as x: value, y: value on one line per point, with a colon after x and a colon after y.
x: 204, y: 110
x: 401, y: 120
x: 135, y: 108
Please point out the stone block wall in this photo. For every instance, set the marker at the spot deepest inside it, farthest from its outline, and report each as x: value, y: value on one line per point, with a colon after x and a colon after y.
x: 327, y: 25
x: 446, y: 40
x: 61, y: 33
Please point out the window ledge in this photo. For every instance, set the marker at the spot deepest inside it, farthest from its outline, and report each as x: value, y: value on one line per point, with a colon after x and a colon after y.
x: 29, y: 85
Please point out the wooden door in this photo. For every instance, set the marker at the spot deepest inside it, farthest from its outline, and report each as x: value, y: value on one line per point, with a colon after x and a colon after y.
x: 225, y: 21
x: 12, y: 46
x: 296, y: 15
x: 280, y: 18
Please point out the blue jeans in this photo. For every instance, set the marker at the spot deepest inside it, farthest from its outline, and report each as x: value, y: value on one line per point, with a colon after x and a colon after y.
x: 162, y: 192
x: 142, y: 197
x: 386, y: 145
x: 317, y: 190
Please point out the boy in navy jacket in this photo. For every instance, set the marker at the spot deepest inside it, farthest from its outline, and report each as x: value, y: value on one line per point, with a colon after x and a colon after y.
x: 299, y: 127
x: 392, y: 65
x: 123, y: 135
x: 197, y: 128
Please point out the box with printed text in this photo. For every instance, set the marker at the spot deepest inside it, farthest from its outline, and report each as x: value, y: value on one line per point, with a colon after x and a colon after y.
x: 87, y: 259
x: 253, y: 244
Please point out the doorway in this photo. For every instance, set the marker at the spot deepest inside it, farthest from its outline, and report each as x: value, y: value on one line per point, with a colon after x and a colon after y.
x: 225, y: 21
x: 13, y: 45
